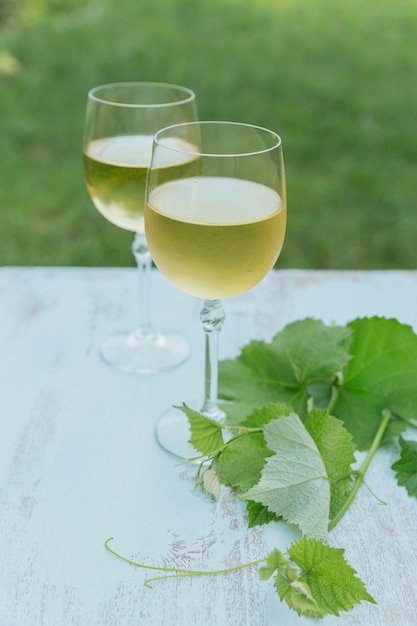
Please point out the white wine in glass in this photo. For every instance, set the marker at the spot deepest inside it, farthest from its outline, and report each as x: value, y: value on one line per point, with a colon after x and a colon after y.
x: 121, y: 119
x: 215, y: 228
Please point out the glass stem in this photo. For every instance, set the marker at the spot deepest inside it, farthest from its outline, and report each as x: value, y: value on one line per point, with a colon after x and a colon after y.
x: 212, y: 317
x: 143, y: 258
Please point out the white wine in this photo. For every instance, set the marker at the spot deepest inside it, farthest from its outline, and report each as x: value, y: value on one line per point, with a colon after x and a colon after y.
x: 214, y: 237
x: 115, y: 172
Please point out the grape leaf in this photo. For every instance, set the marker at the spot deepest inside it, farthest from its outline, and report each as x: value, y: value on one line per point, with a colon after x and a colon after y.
x: 267, y: 413
x: 258, y: 514
x: 274, y: 561
x: 211, y: 482
x: 337, y: 450
x: 297, y: 594
x: 332, y: 581
x: 406, y: 467
x: 305, y: 353
x: 206, y: 434
x: 294, y: 483
x: 381, y: 375
x: 241, y: 462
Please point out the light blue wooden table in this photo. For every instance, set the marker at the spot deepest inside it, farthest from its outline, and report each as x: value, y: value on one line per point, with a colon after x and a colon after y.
x: 79, y: 462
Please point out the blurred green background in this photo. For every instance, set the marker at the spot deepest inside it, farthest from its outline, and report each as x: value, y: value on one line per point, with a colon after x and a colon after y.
x: 335, y: 78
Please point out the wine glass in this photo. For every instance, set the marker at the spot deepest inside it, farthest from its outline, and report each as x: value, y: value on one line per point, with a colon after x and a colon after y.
x: 121, y: 119
x: 215, y: 217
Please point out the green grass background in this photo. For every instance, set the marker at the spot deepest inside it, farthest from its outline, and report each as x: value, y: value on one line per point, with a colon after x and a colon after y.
x: 337, y: 79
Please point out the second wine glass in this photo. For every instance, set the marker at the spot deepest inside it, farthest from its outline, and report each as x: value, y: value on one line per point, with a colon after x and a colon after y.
x: 216, y: 219
x: 121, y: 119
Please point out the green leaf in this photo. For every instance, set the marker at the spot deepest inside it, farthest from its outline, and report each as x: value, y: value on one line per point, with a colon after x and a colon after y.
x: 258, y: 514
x: 241, y: 463
x: 242, y: 460
x: 237, y: 411
x: 332, y: 581
x: 303, y: 600
x: 381, y: 375
x: 274, y: 561
x: 298, y: 596
x: 211, y: 483
x: 294, y: 483
x: 304, y: 354
x: 406, y: 467
x: 267, y: 413
x: 337, y: 450
x: 206, y: 434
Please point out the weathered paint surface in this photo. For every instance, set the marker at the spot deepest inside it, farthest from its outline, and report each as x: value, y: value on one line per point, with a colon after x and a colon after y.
x: 79, y: 462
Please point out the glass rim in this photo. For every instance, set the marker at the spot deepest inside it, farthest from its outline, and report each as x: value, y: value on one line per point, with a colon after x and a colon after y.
x: 190, y: 95
x: 157, y: 140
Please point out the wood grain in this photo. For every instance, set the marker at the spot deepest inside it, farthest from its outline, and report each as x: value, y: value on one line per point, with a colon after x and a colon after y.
x: 79, y: 462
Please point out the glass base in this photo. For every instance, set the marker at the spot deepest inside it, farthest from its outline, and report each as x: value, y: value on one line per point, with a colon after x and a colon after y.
x: 145, y: 353
x: 173, y: 432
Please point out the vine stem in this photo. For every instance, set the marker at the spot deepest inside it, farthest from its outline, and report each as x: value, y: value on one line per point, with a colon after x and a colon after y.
x: 386, y: 415
x: 179, y: 572
x: 334, y: 397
